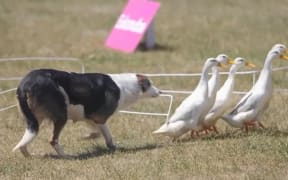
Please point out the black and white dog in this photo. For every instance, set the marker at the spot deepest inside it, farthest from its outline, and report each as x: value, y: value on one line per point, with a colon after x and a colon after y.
x: 59, y: 95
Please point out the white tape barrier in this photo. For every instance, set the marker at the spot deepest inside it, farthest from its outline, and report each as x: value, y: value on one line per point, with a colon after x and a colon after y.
x: 190, y: 92
x: 154, y: 114
x: 76, y: 60
x: 7, y: 91
x: 254, y: 74
x: 124, y: 111
x: 150, y: 75
x: 69, y: 59
x: 8, y: 107
x: 199, y: 74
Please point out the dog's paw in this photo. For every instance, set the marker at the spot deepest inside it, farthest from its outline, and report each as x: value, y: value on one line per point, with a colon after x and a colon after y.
x: 112, y: 147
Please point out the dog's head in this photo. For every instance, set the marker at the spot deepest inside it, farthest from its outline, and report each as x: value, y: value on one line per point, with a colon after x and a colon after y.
x: 146, y: 86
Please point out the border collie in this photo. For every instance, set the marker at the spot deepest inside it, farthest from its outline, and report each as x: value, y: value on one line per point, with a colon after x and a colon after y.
x: 59, y: 95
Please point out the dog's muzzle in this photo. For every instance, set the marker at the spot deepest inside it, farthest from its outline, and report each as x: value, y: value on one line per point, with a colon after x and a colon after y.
x: 157, y: 92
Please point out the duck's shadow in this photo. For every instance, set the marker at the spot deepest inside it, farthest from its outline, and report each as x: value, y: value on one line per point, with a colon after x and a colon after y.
x: 238, y: 134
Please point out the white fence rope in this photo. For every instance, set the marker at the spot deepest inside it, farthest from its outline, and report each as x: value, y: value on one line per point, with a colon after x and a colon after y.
x: 8, y: 90
x: 8, y: 107
x: 2, y: 60
x: 70, y: 59
x: 154, y: 114
x: 189, y: 92
x: 82, y: 70
x: 254, y: 74
x: 168, y: 92
x: 125, y: 111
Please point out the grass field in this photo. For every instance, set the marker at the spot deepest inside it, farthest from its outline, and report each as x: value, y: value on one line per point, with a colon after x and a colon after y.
x: 187, y: 33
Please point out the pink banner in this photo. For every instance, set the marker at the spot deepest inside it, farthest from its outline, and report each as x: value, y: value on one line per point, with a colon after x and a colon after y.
x: 131, y: 25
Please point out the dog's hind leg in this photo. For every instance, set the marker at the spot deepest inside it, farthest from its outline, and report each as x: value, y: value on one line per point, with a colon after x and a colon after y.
x: 107, y: 135
x: 58, y: 126
x: 58, y: 115
x: 31, y: 122
x: 26, y: 139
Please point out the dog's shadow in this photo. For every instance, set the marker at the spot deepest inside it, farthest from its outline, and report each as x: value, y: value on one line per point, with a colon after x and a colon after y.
x: 101, y: 150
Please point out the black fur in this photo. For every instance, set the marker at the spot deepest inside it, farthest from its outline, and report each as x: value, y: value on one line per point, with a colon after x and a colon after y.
x: 97, y: 92
x: 31, y: 121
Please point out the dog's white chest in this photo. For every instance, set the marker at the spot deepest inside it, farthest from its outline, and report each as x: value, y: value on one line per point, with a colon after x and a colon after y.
x: 76, y: 112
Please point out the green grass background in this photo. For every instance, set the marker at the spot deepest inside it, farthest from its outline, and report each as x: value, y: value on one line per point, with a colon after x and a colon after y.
x: 187, y: 32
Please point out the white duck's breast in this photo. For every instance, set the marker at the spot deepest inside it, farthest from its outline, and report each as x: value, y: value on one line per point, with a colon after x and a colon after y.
x: 187, y: 111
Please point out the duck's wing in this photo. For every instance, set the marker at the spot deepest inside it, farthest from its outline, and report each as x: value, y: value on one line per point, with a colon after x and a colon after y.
x: 185, y: 113
x: 216, y: 108
x: 246, y: 103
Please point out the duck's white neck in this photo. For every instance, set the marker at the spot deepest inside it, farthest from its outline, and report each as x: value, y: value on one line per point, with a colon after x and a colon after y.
x: 215, y: 75
x: 233, y: 70
x: 268, y: 63
x: 203, y: 82
x: 213, y: 81
x: 229, y: 83
x: 215, y: 71
x: 265, y: 74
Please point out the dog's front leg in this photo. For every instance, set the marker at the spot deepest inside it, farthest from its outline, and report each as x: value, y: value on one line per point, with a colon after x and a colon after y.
x: 107, y: 135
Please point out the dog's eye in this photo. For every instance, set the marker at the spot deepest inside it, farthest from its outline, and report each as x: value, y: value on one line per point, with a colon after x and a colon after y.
x: 145, y: 84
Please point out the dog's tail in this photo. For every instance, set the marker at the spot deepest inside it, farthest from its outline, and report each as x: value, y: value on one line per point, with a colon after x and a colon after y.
x: 31, y: 122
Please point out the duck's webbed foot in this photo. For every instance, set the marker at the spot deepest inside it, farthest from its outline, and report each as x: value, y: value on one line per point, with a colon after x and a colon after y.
x: 253, y: 124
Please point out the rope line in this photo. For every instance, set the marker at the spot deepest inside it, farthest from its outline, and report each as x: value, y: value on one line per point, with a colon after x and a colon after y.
x: 167, y: 93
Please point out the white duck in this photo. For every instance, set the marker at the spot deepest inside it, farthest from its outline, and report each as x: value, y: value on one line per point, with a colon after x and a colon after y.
x: 213, y: 84
x: 186, y: 116
x: 254, y: 103
x: 223, y: 96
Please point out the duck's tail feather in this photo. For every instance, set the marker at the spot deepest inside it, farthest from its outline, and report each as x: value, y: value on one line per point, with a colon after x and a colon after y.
x: 162, y: 130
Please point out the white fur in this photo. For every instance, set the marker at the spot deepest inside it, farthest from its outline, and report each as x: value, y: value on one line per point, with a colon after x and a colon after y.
x: 76, y: 112
x: 26, y: 139
x: 130, y: 92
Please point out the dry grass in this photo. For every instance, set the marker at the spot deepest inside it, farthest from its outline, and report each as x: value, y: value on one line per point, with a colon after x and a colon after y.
x: 187, y: 32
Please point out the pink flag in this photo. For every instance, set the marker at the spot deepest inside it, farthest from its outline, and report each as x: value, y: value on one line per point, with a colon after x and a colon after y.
x: 131, y: 25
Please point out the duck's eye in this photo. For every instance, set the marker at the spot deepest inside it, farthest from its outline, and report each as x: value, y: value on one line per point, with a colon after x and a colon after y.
x: 276, y: 52
x: 281, y: 47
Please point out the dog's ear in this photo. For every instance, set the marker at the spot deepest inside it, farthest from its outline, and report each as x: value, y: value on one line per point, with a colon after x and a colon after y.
x: 141, y: 77
x: 143, y: 82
